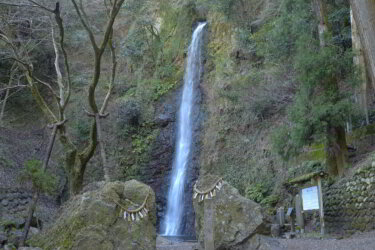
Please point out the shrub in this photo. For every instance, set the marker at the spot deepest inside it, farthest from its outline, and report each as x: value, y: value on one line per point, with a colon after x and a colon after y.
x: 256, y: 192
x: 128, y: 113
x: 41, y: 180
x: 270, y: 200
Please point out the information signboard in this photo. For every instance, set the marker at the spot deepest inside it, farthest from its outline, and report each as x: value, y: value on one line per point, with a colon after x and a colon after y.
x: 310, y: 198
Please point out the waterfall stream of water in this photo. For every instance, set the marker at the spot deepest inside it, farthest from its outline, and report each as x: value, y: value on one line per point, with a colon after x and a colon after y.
x: 175, y: 204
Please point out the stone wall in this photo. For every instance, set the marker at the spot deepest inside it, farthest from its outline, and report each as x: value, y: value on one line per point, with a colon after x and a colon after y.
x: 14, y: 205
x: 14, y: 201
x: 349, y: 204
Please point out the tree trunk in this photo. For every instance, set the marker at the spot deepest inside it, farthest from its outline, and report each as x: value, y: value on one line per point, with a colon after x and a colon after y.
x: 359, y: 61
x: 102, y: 148
x: 364, y: 15
x: 12, y: 72
x: 73, y: 166
x: 30, y: 214
x: 76, y: 162
x: 322, y: 26
x: 342, y: 154
x: 336, y: 151
x: 336, y: 148
x: 37, y: 192
x: 4, y: 104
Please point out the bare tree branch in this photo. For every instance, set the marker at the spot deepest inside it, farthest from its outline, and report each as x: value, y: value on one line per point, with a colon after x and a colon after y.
x: 41, y: 6
x: 113, y: 74
x: 86, y: 26
x: 18, y: 5
x: 57, y: 69
x: 12, y: 87
x: 60, y: 25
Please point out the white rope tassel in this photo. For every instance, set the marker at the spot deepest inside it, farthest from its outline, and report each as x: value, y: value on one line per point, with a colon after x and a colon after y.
x: 214, y: 193
x: 140, y: 214
x: 195, y: 195
x: 133, y: 217
x: 136, y: 217
x: 125, y: 215
x: 144, y: 212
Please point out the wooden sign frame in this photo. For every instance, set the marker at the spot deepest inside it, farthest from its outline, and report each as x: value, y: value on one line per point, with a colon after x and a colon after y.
x: 318, y: 183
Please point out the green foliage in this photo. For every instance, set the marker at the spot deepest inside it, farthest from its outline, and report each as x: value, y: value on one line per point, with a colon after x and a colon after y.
x: 320, y: 103
x: 160, y: 88
x: 41, y: 180
x: 132, y: 172
x: 256, y: 192
x: 281, y: 143
x: 325, y: 73
x: 270, y: 200
x: 224, y: 6
x: 5, y: 162
x: 134, y: 45
x: 82, y: 128
x: 276, y: 40
x: 141, y: 143
x: 305, y: 167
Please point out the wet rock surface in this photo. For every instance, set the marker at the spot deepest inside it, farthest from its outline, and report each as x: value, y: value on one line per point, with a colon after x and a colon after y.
x: 157, y: 173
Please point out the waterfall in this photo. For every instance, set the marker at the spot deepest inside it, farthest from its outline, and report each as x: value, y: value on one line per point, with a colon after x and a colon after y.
x: 175, y: 202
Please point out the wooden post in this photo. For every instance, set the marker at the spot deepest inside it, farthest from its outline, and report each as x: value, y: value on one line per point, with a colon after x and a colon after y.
x: 290, y: 217
x: 321, y: 211
x: 292, y: 229
x: 209, y: 224
x: 281, y: 216
x: 299, y: 214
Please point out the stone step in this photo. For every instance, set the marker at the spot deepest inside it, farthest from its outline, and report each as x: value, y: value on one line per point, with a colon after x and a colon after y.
x: 178, y: 247
x: 163, y: 243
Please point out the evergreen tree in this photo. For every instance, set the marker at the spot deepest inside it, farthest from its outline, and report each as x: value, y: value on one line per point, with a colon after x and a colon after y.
x: 322, y: 61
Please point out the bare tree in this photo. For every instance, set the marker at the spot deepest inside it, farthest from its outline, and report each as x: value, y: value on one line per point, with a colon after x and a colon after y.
x: 75, y: 160
x: 12, y: 74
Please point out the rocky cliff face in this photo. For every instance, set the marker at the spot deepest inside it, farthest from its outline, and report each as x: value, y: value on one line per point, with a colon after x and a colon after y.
x: 157, y: 172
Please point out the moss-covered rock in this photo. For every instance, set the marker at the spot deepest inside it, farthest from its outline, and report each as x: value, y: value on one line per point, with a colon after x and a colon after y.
x: 93, y: 219
x: 236, y: 219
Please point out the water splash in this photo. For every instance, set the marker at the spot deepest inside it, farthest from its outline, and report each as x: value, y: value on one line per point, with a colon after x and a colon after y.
x: 175, y: 204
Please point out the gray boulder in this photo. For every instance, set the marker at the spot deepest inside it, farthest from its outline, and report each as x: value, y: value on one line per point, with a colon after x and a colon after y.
x: 235, y: 219
x: 94, y: 220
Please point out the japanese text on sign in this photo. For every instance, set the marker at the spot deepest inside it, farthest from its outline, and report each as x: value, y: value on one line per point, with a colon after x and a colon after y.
x: 310, y: 198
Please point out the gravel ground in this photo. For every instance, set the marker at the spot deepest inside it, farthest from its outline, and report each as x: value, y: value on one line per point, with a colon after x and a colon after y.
x: 363, y: 241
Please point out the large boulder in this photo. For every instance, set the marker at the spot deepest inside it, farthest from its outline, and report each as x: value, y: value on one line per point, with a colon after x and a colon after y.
x: 235, y: 220
x: 94, y: 219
